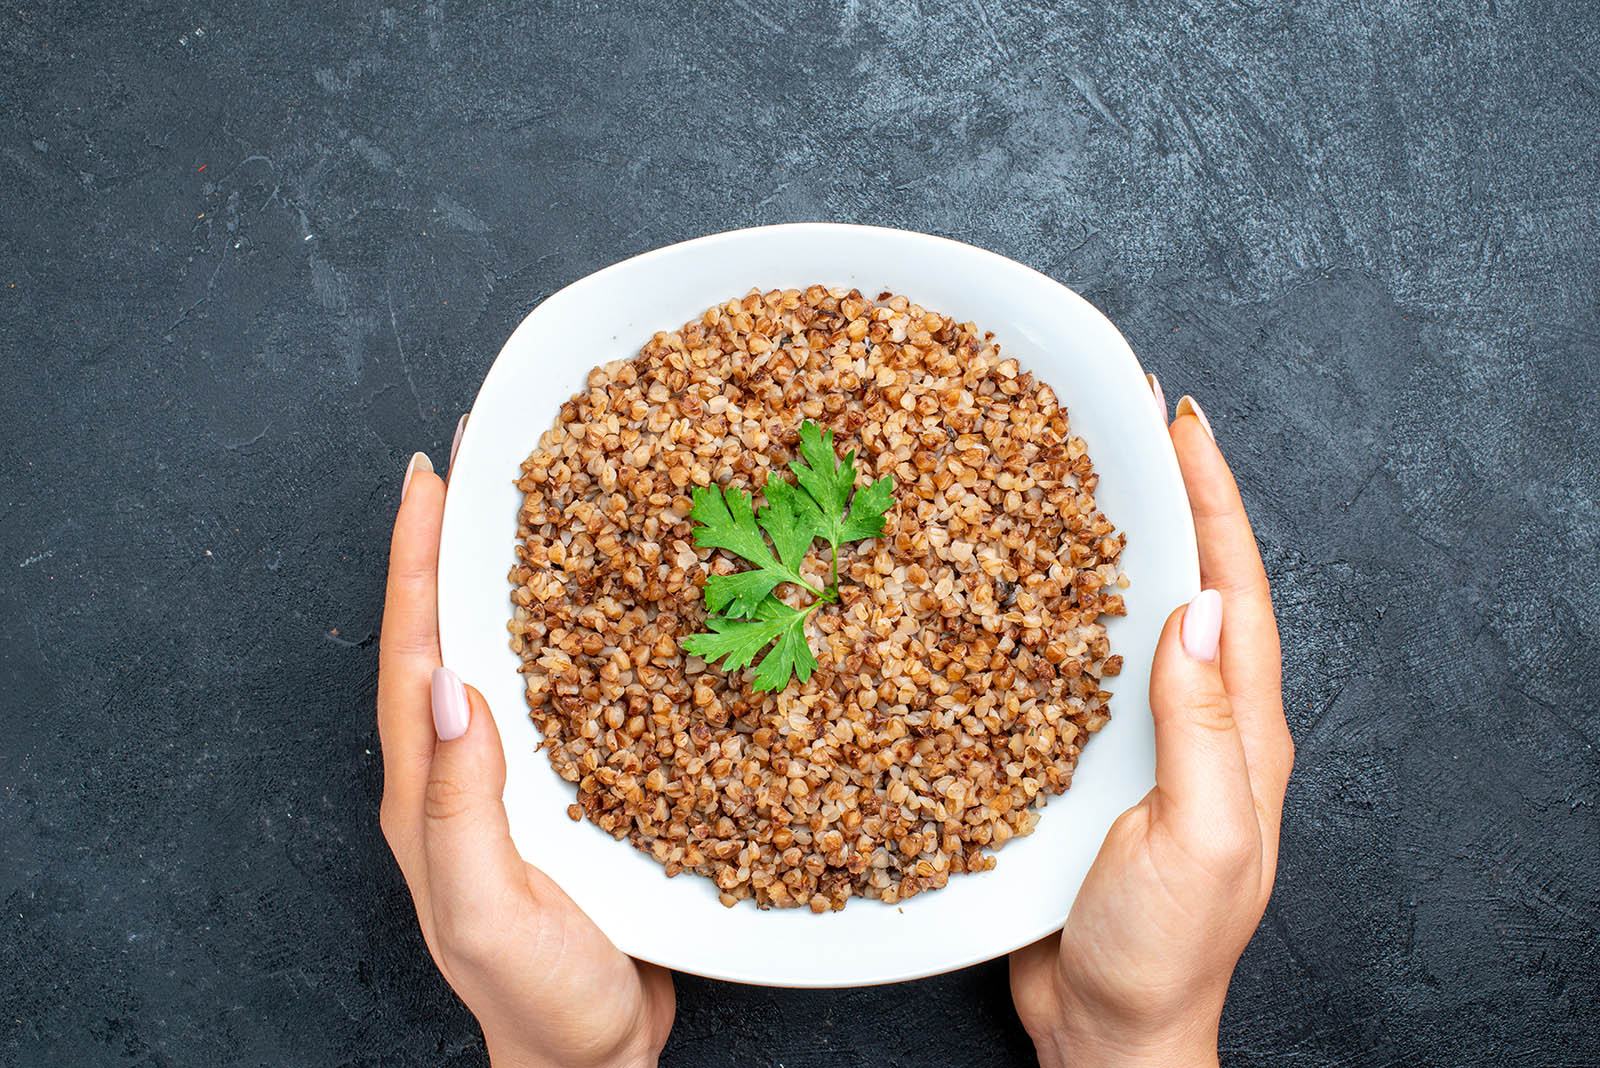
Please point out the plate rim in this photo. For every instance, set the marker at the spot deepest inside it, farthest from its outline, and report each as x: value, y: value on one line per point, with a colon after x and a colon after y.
x: 500, y: 368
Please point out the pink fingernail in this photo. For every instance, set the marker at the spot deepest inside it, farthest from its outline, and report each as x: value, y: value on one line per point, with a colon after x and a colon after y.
x: 1187, y: 405
x: 1159, y: 396
x: 1201, y: 628
x: 451, y: 712
x: 456, y: 444
x: 419, y: 462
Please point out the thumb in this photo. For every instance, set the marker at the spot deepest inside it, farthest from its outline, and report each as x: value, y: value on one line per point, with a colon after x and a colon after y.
x: 473, y: 867
x: 1200, y: 764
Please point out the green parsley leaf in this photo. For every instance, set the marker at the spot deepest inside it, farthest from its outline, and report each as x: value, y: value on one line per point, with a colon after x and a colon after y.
x: 824, y: 504
x: 739, y: 640
x: 791, y: 656
x: 785, y: 519
x: 868, y: 511
x: 828, y: 484
x: 729, y: 522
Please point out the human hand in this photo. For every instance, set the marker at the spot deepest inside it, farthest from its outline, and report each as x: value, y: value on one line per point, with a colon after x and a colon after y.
x: 546, y: 986
x: 1138, y: 974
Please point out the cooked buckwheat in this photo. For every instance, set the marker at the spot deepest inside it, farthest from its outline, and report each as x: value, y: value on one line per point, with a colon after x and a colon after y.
x: 959, y: 675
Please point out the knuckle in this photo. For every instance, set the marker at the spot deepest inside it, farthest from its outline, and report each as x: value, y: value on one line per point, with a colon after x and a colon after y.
x: 1133, y: 823
x: 463, y: 943
x: 401, y: 637
x: 1213, y: 503
x: 398, y: 832
x: 410, y: 570
x: 1232, y: 844
x: 1210, y: 712
x: 1253, y: 584
x: 445, y: 799
x: 389, y: 822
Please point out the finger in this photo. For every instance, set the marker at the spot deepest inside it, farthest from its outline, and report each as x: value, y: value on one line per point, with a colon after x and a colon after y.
x: 408, y: 651
x: 1158, y: 396
x: 455, y: 444
x: 1230, y: 563
x: 1202, y: 782
x: 475, y: 875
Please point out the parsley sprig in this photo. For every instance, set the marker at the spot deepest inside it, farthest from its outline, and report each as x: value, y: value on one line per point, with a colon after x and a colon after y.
x: 746, y: 616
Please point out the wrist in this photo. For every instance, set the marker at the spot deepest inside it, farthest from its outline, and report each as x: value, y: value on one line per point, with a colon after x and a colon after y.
x: 1191, y: 1044
x: 508, y: 1055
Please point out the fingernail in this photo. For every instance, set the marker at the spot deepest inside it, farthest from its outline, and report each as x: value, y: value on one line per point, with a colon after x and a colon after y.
x: 451, y: 713
x: 1189, y: 406
x: 1201, y: 628
x: 456, y: 444
x: 419, y: 462
x: 1159, y: 396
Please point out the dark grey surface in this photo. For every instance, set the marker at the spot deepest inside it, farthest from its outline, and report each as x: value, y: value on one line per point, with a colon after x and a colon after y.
x: 1364, y: 235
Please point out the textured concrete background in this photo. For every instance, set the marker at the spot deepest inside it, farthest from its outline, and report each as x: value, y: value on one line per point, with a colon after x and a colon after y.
x: 252, y: 255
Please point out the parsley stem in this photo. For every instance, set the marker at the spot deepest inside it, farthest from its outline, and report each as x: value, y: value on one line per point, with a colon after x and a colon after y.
x: 835, y: 586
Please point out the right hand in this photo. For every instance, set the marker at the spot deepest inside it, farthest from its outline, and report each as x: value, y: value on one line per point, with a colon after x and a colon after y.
x: 1138, y: 974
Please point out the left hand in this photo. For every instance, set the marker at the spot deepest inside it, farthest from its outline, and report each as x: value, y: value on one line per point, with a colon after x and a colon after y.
x: 548, y: 988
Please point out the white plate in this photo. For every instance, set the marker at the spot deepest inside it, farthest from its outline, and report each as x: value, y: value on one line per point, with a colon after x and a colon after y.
x: 678, y: 922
